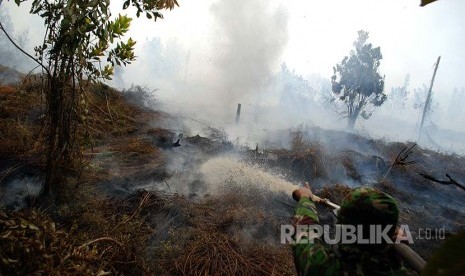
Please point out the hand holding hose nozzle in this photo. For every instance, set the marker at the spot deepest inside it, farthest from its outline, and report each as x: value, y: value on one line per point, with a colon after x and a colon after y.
x: 307, y: 192
x: 302, y: 192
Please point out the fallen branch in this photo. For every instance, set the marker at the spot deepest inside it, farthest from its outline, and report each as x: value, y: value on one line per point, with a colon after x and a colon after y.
x: 451, y: 181
x: 167, y: 186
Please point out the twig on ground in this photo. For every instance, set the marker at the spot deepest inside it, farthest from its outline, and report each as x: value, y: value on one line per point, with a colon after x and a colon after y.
x: 167, y: 186
x: 108, y: 107
x: 99, y: 240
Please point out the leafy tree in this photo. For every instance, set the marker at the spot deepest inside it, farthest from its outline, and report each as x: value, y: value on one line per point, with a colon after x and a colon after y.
x: 83, y: 42
x: 356, y: 81
x: 399, y: 95
x: 296, y: 91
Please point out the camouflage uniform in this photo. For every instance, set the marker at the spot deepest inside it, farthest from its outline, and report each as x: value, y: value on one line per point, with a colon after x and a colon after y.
x: 362, y: 206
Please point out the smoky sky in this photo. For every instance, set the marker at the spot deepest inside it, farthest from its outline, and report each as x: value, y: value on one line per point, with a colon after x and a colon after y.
x: 205, y: 57
x: 236, y: 63
x: 250, y: 37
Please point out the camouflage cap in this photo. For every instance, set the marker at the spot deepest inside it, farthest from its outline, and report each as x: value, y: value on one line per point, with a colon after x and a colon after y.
x: 367, y: 206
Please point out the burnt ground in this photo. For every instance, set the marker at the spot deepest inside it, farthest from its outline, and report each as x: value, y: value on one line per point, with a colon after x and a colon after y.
x: 337, y: 161
x: 141, y: 206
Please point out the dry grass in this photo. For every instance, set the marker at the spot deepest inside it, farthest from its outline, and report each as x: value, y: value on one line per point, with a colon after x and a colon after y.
x: 119, y: 236
x: 134, y: 146
x: 19, y: 114
x: 351, y: 170
x: 109, y: 114
x: 214, y: 242
x: 220, y: 254
x: 161, y: 137
x: 386, y: 186
x: 123, y: 157
x: 106, y: 118
x: 306, y: 163
x: 304, y: 159
x: 105, y: 115
x: 33, y: 244
x: 335, y: 193
x: 18, y: 138
x: 297, y: 141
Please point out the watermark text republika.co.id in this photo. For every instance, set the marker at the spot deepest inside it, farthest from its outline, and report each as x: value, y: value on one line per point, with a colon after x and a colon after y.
x: 357, y: 234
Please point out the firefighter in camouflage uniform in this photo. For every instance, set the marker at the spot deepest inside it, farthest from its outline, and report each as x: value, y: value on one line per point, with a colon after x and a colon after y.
x: 363, y: 206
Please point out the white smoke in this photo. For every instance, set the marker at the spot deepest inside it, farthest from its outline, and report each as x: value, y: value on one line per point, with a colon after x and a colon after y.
x: 250, y: 39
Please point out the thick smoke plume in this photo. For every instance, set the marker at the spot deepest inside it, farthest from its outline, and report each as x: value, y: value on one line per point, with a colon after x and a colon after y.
x: 250, y: 39
x: 235, y: 62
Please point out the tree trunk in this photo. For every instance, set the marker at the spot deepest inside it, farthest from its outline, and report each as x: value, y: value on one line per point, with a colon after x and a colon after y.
x: 54, y: 105
x: 351, y: 122
x: 353, y: 117
x: 50, y: 175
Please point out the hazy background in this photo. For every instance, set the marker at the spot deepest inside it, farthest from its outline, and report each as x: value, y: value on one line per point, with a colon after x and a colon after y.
x: 276, y: 58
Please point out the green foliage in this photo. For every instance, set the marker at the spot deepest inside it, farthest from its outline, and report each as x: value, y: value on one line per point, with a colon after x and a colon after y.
x: 151, y: 7
x: 86, y: 34
x: 82, y: 42
x: 82, y: 33
x: 356, y: 81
